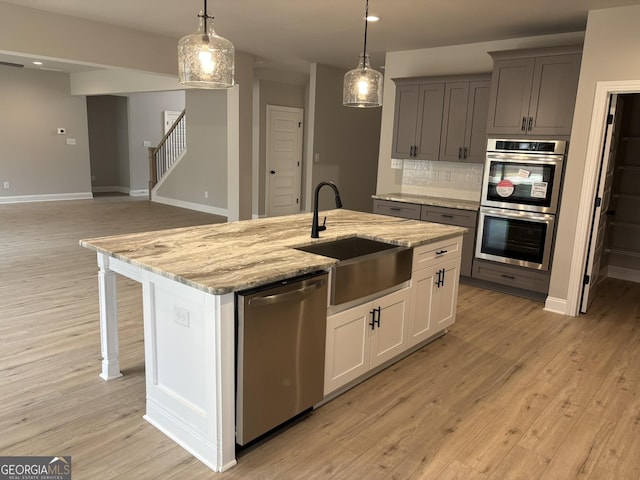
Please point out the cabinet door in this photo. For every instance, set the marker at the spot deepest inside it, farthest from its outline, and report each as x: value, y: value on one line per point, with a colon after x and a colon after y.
x: 429, y: 126
x: 510, y: 96
x: 445, y: 295
x: 452, y: 142
x: 347, y: 347
x: 388, y: 338
x: 419, y: 326
x: 406, y: 117
x: 475, y: 140
x: 553, y: 96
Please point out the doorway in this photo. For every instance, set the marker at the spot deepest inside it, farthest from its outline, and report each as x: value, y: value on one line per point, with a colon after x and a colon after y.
x: 283, y: 160
x: 614, y: 246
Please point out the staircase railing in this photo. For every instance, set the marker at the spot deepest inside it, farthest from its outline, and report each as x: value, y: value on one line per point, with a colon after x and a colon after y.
x: 162, y: 157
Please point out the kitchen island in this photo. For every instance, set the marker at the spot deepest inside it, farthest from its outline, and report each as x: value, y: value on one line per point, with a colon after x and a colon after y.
x: 189, y: 276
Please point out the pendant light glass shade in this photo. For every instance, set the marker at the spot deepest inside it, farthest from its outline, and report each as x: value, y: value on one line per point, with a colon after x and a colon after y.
x: 205, y: 59
x: 362, y: 86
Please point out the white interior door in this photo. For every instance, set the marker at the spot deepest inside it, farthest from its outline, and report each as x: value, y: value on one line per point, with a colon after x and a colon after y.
x: 284, y: 160
x: 596, y: 254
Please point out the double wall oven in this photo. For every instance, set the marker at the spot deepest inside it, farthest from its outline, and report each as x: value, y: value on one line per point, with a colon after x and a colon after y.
x: 519, y: 202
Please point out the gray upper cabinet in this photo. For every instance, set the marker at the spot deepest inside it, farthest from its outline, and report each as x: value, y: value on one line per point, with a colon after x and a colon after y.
x: 533, y: 92
x: 418, y: 118
x: 464, y: 121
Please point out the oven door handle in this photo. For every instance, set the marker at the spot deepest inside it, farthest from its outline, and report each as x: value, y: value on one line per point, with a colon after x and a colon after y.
x: 518, y: 214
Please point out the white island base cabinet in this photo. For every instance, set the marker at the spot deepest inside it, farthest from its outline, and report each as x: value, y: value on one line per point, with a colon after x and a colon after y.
x: 433, y: 300
x: 357, y: 344
x: 189, y: 359
x: 364, y: 337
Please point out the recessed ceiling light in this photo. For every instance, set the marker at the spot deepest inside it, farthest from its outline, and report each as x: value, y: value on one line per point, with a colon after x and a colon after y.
x: 37, y: 63
x: 373, y: 18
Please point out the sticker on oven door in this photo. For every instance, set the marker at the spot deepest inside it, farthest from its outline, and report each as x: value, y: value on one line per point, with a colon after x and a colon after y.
x: 539, y: 190
x: 504, y: 188
x: 524, y: 173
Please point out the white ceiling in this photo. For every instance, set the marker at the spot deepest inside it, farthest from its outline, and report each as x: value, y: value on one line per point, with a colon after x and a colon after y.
x: 294, y: 33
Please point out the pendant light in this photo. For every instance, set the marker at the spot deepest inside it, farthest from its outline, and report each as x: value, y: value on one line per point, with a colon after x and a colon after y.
x: 205, y: 59
x: 363, y: 85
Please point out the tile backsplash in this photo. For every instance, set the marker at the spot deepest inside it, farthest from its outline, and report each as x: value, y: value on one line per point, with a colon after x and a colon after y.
x: 442, y: 179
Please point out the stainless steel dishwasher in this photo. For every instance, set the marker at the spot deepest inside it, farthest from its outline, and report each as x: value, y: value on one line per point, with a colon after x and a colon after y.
x: 280, y: 353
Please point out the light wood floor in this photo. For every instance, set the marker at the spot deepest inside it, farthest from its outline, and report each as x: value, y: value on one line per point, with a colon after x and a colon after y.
x: 512, y: 392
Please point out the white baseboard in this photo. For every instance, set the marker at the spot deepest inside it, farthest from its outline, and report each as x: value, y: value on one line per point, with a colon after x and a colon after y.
x: 622, y: 273
x: 557, y: 305
x: 190, y: 205
x: 105, y: 189
x: 52, y: 197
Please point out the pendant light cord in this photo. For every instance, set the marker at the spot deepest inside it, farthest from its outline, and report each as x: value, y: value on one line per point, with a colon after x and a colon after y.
x: 205, y: 17
x: 366, y: 23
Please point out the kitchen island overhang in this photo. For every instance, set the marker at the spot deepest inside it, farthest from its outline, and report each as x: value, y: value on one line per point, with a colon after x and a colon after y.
x: 189, y: 276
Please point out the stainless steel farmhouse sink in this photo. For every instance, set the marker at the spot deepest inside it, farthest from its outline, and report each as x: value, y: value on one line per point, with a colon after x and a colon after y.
x: 365, y: 266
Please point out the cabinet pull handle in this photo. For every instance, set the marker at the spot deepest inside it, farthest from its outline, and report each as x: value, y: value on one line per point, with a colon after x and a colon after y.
x: 443, y: 275
x: 395, y: 209
x: 459, y: 153
x: 440, y: 252
x: 440, y: 281
x: 444, y: 215
x: 523, y: 128
x: 464, y: 152
x: 375, y: 322
x: 415, y: 150
x: 510, y: 277
x: 530, y: 124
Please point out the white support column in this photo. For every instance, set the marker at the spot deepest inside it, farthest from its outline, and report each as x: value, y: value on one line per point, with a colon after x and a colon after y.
x: 108, y: 319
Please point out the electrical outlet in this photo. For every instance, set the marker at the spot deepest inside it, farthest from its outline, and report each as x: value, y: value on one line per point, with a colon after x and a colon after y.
x: 396, y: 163
x: 181, y: 316
x: 6, y: 185
x: 71, y: 141
x: 206, y: 194
x: 146, y: 143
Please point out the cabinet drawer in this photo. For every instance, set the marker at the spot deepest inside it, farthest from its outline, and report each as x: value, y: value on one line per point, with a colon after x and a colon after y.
x: 434, y: 253
x: 531, y: 280
x: 449, y: 216
x: 396, y: 209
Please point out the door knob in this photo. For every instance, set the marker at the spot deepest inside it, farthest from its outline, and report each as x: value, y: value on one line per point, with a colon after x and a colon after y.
x: 272, y: 172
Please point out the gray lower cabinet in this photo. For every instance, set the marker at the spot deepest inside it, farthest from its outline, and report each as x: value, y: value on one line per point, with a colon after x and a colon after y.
x: 459, y: 218
x: 533, y: 92
x: 510, y: 276
x: 396, y: 209
x: 448, y: 216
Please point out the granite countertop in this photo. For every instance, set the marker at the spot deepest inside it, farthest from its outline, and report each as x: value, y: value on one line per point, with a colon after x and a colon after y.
x: 433, y: 201
x: 227, y: 257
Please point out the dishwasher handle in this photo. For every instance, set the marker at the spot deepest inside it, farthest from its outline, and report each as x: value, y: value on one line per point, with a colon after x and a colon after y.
x: 302, y: 292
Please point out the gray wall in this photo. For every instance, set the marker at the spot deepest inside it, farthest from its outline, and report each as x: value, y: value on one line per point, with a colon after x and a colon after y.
x: 272, y: 93
x: 612, y: 42
x: 146, y: 123
x: 47, y: 34
x: 204, y: 167
x: 346, y: 141
x: 108, y: 142
x: 33, y: 158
